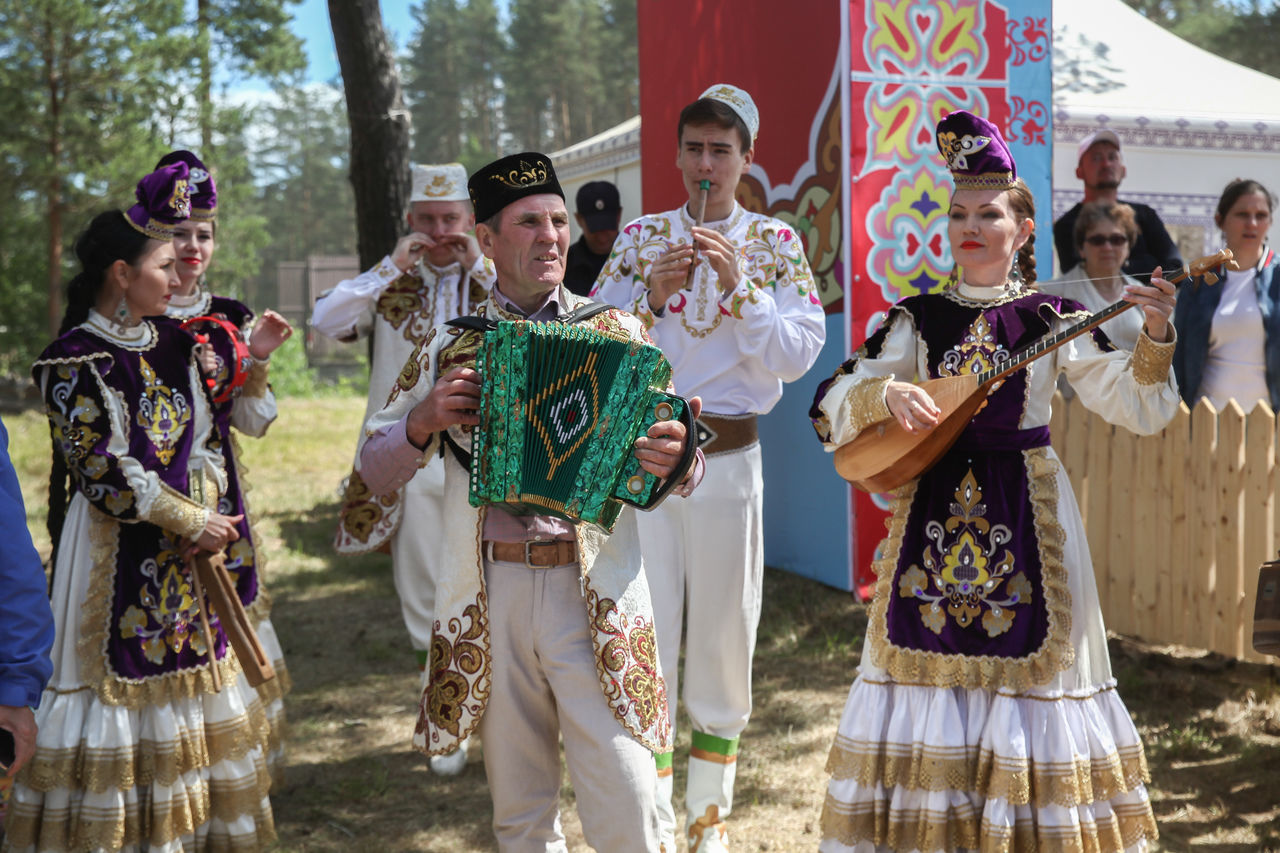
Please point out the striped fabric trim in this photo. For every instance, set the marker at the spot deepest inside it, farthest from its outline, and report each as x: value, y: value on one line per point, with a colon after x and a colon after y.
x: 663, y: 762
x: 718, y: 750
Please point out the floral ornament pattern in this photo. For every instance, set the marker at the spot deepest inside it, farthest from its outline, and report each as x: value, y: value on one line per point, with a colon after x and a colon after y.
x: 167, y: 619
x: 163, y: 413
x: 977, y: 351
x: 964, y: 570
x: 524, y: 175
x: 628, y: 659
x: 454, y: 668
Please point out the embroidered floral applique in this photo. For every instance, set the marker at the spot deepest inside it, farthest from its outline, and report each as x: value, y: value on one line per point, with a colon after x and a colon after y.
x: 977, y: 351
x: 452, y: 672
x: 965, y: 576
x: 629, y: 660
x: 166, y: 621
x: 163, y: 414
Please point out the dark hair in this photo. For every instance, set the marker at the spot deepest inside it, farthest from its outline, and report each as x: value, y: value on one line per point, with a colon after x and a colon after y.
x: 718, y: 113
x: 109, y: 238
x: 1234, y: 191
x: 1105, y: 211
x: 1024, y: 207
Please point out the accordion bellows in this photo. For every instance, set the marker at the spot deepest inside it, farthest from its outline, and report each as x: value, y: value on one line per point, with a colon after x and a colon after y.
x: 560, y: 409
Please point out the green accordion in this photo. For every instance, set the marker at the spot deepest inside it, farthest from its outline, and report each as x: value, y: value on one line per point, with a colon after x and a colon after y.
x: 560, y: 409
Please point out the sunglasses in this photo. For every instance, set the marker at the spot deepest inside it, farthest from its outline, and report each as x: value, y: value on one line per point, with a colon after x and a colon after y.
x: 1103, y: 239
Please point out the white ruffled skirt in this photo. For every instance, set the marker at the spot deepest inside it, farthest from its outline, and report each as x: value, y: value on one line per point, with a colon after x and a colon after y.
x: 178, y: 776
x: 1059, y: 767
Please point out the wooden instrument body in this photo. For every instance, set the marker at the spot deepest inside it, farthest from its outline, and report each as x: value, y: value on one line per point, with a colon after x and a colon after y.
x: 885, y: 456
x: 225, y: 602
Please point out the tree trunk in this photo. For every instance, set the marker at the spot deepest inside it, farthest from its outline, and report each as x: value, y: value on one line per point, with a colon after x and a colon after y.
x: 379, y: 126
x: 53, y: 199
x: 205, y: 86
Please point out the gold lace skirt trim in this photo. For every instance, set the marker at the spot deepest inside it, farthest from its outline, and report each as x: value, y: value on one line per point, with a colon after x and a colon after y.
x: 1019, y: 781
x: 961, y: 826
x: 111, y: 826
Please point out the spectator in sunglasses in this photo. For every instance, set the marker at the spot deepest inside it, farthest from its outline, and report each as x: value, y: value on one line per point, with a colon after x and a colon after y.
x: 1105, y: 232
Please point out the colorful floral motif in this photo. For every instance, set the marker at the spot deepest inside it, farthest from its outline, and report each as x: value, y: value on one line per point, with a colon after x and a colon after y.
x: 977, y: 351
x: 453, y: 672
x: 629, y: 662
x: 167, y: 619
x: 163, y: 413
x: 964, y: 569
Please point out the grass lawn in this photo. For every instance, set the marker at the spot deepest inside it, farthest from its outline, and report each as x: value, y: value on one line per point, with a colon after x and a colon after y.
x: 1212, y: 727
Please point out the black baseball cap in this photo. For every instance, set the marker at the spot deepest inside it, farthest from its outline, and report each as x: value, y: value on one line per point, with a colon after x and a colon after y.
x: 598, y: 203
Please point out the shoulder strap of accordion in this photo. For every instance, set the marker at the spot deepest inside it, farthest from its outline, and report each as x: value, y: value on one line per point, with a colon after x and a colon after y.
x: 463, y: 457
x: 477, y: 324
x: 584, y: 311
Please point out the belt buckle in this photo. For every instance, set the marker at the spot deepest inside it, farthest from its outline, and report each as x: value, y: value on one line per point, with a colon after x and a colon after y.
x: 528, y: 559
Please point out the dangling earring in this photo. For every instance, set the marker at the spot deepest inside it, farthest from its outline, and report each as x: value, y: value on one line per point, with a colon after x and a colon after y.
x: 121, y: 316
x: 1015, y: 271
x: 952, y: 281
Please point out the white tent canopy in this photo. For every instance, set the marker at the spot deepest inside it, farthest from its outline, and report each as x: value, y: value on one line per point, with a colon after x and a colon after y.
x: 1188, y: 121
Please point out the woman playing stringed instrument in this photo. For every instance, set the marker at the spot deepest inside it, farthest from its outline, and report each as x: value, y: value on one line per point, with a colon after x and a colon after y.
x: 984, y: 714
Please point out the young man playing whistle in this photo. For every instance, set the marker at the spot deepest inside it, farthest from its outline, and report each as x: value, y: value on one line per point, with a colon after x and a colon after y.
x: 737, y: 317
x: 435, y: 273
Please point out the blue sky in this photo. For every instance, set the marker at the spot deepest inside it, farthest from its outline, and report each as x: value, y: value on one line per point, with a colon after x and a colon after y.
x: 311, y: 23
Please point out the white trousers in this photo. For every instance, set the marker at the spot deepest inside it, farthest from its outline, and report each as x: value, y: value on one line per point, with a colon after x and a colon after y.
x: 417, y: 552
x: 545, y: 686
x: 704, y: 558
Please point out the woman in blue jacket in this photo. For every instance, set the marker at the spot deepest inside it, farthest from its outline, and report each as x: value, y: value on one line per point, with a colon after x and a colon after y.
x: 1229, y: 333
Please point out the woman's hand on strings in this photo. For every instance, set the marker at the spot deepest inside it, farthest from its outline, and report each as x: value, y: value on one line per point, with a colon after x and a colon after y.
x: 1157, y: 300
x: 911, y: 406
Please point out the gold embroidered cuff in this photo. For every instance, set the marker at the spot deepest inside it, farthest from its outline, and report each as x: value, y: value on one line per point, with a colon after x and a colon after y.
x: 1151, y: 361
x: 255, y: 385
x: 177, y: 513
x: 866, y: 403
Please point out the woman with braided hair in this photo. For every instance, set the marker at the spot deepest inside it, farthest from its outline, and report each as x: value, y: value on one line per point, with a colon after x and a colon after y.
x: 984, y: 715
x: 149, y: 737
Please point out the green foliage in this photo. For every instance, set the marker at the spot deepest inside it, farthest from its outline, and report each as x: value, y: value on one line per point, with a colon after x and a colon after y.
x: 293, y: 377
x: 1244, y: 31
x: 559, y: 73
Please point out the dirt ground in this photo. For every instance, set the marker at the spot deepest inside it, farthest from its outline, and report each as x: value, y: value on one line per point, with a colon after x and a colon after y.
x: 1211, y: 726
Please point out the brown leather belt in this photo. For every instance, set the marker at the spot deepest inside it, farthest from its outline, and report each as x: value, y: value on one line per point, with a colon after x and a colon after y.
x: 720, y: 434
x: 534, y: 554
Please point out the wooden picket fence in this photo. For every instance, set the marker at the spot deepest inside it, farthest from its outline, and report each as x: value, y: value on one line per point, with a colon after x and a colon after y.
x: 1178, y: 522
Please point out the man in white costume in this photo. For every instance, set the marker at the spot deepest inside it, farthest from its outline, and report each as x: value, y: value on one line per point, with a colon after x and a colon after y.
x: 435, y: 272
x: 733, y: 305
x: 544, y: 628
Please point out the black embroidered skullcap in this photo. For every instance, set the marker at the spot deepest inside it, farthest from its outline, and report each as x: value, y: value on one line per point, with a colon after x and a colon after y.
x: 498, y: 184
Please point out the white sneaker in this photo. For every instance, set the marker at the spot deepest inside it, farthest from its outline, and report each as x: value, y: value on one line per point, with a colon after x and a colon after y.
x: 707, y: 834
x: 450, y: 764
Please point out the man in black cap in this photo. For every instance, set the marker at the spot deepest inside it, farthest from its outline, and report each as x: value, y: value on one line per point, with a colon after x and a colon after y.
x: 543, y: 628
x: 599, y: 214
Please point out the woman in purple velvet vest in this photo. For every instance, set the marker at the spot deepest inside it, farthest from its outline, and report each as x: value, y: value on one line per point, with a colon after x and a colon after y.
x: 984, y: 714
x: 139, y: 748
x: 243, y: 402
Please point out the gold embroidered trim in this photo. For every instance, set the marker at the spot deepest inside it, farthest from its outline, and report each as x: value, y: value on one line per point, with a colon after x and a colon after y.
x: 965, y: 768
x: 177, y: 513
x: 95, y: 628
x: 874, y: 822
x: 146, y: 762
x: 866, y: 404
x: 59, y: 829
x: 988, y: 672
x: 255, y: 384
x: 1150, y: 361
